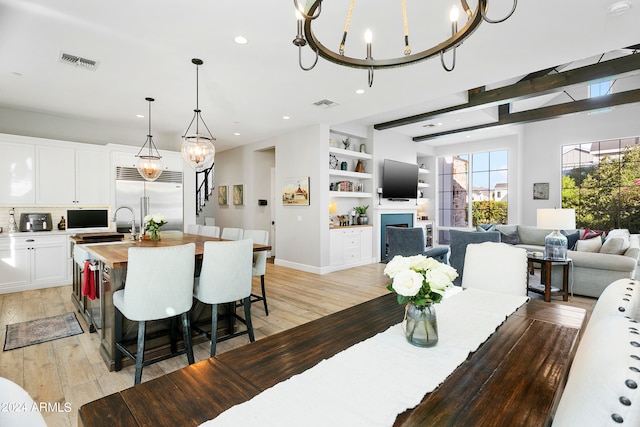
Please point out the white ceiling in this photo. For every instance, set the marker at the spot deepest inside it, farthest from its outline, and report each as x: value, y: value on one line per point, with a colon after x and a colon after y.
x: 144, y: 49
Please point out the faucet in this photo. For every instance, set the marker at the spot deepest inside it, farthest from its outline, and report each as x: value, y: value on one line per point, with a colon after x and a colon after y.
x: 133, y: 220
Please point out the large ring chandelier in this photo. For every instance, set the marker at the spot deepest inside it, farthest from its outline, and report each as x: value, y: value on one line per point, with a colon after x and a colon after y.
x: 310, y: 11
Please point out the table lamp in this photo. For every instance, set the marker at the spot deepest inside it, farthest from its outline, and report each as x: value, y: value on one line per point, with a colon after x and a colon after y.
x: 555, y: 244
x: 332, y: 210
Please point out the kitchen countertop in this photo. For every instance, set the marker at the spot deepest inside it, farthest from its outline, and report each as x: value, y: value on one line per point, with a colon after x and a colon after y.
x: 6, y: 235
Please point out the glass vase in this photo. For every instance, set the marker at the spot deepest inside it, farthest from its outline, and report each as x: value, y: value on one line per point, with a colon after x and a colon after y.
x: 154, y: 235
x: 422, y: 325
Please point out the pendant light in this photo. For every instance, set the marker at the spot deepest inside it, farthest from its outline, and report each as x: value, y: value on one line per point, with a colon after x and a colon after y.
x: 149, y: 164
x: 197, y: 149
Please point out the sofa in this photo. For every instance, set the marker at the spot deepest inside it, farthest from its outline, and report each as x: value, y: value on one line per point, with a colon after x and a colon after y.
x: 596, y: 262
x: 603, y: 386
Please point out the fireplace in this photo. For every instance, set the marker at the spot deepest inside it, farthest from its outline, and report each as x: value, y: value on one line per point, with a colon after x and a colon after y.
x: 392, y: 220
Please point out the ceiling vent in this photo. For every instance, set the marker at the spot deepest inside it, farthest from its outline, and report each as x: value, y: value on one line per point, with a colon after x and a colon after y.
x: 78, y: 61
x: 325, y: 103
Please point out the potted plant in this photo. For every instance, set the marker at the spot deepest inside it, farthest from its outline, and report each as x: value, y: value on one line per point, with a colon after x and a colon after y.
x: 362, y: 214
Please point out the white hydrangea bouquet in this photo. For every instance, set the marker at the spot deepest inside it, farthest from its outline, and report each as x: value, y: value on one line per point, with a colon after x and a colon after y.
x: 153, y: 224
x: 419, y: 279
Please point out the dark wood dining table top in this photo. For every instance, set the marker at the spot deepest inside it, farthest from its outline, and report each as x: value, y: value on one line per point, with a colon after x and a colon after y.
x: 514, y: 378
x: 115, y: 254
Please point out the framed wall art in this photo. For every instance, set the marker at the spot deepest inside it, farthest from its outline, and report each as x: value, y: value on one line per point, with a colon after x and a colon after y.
x: 295, y: 191
x: 222, y: 195
x: 238, y: 194
x: 541, y: 191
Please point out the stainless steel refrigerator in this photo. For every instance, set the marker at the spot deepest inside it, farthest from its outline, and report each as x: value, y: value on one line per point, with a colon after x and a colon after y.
x: 163, y: 195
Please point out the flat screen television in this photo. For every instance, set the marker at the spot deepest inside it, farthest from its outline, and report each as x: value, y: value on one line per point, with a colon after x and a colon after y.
x: 399, y: 180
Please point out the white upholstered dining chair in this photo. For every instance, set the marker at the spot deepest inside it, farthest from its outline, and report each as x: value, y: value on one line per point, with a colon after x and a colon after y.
x: 225, y: 278
x: 210, y: 231
x: 498, y: 267
x: 259, y: 268
x: 192, y: 229
x: 230, y: 233
x: 159, y: 285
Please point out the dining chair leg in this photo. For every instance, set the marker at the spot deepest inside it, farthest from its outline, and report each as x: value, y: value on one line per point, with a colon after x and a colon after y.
x: 264, y: 296
x: 186, y: 333
x: 140, y: 354
x: 172, y: 335
x: 247, y: 316
x: 214, y: 328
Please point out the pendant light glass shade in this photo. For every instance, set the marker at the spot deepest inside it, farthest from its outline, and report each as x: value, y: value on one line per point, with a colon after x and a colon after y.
x: 197, y: 148
x: 199, y: 151
x: 149, y: 163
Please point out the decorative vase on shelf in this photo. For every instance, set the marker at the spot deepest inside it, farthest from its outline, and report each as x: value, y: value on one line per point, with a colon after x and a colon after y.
x: 422, y: 325
x: 359, y: 166
x: 363, y: 219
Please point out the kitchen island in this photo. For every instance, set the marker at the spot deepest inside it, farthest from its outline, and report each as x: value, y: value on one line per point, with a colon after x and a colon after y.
x: 112, y: 259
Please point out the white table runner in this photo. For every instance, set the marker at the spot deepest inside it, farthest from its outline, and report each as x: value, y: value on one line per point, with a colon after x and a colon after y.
x: 372, y: 382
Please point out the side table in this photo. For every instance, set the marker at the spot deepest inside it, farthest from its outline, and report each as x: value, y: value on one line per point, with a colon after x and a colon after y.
x: 545, y: 276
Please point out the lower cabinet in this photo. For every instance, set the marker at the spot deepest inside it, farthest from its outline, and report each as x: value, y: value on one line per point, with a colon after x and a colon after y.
x: 32, y: 262
x: 350, y: 246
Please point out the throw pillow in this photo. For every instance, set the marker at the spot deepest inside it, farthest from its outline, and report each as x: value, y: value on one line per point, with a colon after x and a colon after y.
x: 572, y: 238
x: 589, y: 245
x: 511, y: 238
x: 506, y: 229
x: 590, y: 234
x: 615, y: 246
x: 485, y: 227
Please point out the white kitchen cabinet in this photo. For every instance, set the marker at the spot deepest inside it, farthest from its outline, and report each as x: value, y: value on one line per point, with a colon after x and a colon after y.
x: 350, y: 246
x: 92, y: 177
x: 17, y: 174
x: 56, y: 176
x: 72, y: 176
x: 32, y: 262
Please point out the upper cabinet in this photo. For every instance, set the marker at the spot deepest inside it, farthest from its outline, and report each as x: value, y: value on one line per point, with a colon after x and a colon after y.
x: 72, y: 176
x: 17, y: 174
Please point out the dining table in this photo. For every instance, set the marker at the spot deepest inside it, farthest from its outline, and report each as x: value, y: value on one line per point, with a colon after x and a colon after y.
x: 112, y: 259
x: 515, y: 377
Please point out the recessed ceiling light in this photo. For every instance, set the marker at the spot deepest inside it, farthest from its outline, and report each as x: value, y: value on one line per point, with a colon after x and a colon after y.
x: 286, y: 117
x: 360, y: 91
x: 619, y: 7
x: 236, y: 133
x: 439, y: 124
x: 140, y: 116
x: 241, y: 40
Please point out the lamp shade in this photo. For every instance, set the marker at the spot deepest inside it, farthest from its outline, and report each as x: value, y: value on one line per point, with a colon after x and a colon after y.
x: 333, y: 208
x: 556, y: 219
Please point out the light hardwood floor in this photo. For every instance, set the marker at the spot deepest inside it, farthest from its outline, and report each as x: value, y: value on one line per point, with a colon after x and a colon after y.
x: 71, y: 370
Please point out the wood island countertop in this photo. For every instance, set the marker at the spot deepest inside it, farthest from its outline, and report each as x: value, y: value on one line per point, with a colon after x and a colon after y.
x: 116, y: 254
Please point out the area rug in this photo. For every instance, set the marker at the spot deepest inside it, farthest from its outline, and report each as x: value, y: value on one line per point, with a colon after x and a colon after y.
x: 42, y: 330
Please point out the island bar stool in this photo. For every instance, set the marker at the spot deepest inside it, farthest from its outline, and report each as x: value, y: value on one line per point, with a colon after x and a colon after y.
x: 259, y: 267
x: 159, y: 285
x: 225, y: 278
x: 229, y: 233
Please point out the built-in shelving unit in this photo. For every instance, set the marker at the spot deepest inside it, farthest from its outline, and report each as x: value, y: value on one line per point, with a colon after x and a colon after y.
x: 349, y: 183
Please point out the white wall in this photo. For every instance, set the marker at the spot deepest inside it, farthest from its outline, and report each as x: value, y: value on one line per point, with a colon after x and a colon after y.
x: 302, y: 234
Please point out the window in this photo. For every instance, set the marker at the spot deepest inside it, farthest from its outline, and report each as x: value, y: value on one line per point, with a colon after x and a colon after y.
x: 601, y: 181
x: 478, y: 180
x: 599, y: 89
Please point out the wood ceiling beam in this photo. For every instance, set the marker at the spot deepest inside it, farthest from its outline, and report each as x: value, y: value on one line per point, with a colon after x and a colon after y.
x: 614, y: 68
x: 544, y: 113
